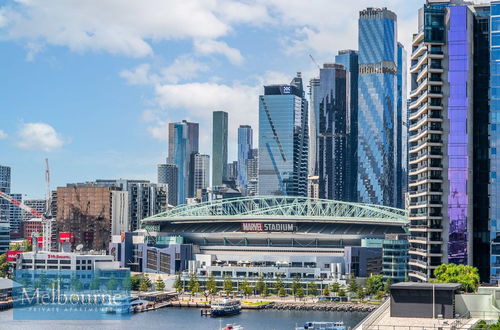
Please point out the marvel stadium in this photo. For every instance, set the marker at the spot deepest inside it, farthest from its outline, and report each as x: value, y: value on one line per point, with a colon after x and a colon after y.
x: 292, y: 236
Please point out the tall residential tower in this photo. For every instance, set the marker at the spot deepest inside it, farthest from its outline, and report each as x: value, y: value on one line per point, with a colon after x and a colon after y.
x: 219, y: 147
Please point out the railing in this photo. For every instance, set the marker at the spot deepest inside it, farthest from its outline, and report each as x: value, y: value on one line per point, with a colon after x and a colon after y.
x: 372, y: 317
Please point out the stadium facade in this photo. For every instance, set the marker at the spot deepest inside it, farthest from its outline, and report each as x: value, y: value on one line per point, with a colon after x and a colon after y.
x: 278, y: 236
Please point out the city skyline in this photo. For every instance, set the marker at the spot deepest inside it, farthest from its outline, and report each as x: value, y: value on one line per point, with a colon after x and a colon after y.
x: 54, y: 120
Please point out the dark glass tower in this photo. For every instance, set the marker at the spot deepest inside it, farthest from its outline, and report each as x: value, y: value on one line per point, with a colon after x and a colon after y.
x: 219, y: 147
x: 245, y: 145
x: 377, y: 106
x: 283, y: 140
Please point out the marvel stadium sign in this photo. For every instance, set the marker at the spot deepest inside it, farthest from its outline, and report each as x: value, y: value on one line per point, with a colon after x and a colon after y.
x: 263, y: 226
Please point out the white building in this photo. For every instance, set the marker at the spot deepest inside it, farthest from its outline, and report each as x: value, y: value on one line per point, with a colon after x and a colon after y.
x: 66, y: 261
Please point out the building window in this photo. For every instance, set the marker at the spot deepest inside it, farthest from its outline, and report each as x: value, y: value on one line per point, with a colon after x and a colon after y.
x: 165, y: 263
x: 151, y: 259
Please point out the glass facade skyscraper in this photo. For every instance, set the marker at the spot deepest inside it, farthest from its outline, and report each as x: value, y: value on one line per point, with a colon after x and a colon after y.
x: 4, y: 187
x: 349, y: 59
x: 201, y: 171
x: 168, y: 174
x: 183, y: 140
x: 401, y: 131
x: 245, y: 145
x: 377, y: 107
x: 333, y: 113
x: 219, y: 147
x: 283, y: 140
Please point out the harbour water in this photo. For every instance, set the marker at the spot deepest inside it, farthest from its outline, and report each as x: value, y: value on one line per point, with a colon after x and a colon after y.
x: 189, y: 318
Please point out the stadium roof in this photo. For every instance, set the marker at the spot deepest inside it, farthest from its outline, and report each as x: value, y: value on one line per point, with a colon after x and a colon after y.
x: 281, y: 208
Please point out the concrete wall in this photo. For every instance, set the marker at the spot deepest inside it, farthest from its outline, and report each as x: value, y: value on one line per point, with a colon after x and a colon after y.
x: 478, y: 305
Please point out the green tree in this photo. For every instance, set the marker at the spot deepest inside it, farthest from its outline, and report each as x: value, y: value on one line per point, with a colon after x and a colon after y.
x: 178, y: 283
x: 335, y: 287
x: 468, y: 276
x: 360, y: 293
x: 135, y: 281
x: 159, y: 285
x: 4, y: 265
x: 300, y: 292
x: 95, y: 284
x: 281, y: 292
x: 264, y: 291
x: 211, y: 285
x: 341, y: 293
x: 296, y: 285
x: 112, y: 284
x: 145, y: 283
x: 374, y: 284
x: 193, y: 285
x: 278, y: 285
x: 127, y: 283
x: 352, y: 286
x: 228, y: 285
x: 312, y: 288
x: 387, y: 285
x: 259, y: 286
x: 246, y: 288
x: 326, y: 290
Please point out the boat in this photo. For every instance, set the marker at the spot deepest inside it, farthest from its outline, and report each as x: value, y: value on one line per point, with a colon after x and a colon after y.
x: 322, y: 326
x: 225, y: 307
x: 121, y: 306
x: 232, y: 327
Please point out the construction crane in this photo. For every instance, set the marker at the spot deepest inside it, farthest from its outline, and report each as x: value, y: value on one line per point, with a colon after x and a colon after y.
x: 46, y: 218
x: 314, y: 61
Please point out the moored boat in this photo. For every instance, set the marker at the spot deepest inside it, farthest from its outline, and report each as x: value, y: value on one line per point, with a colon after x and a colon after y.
x: 225, y: 307
x: 322, y: 326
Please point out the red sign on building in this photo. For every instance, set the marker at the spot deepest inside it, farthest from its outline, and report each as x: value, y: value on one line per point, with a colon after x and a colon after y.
x: 66, y: 237
x: 13, y: 255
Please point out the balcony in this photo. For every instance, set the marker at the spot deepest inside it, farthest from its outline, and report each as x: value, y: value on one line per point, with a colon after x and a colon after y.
x: 423, y: 72
x: 419, y: 51
x: 417, y: 239
x: 420, y: 87
x: 418, y: 275
x: 414, y: 68
x: 418, y: 38
x: 417, y: 102
x: 414, y: 114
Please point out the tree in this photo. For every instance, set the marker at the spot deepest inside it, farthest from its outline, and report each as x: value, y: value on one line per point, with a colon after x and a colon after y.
x: 178, y: 283
x: 259, y: 286
x: 211, y: 285
x: 281, y: 292
x: 341, y: 293
x: 312, y: 288
x: 335, y: 287
x: 75, y: 283
x: 95, y: 284
x: 134, y: 282
x: 468, y: 276
x: 265, y: 290
x: 145, y: 283
x: 326, y: 290
x: 296, y: 285
x: 193, y: 285
x: 246, y: 288
x: 4, y: 265
x: 228, y: 285
x: 300, y: 292
x: 387, y: 286
x: 127, y: 283
x: 360, y: 293
x: 159, y: 285
x: 112, y: 283
x: 278, y: 285
x: 374, y: 284
x: 352, y: 286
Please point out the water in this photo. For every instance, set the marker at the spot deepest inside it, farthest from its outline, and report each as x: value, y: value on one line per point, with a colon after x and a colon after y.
x: 189, y: 318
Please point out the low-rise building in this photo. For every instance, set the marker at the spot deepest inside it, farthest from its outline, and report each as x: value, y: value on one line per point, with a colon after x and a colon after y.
x: 65, y: 261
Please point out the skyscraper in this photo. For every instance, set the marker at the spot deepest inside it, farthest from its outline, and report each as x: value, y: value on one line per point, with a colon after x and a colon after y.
x: 4, y: 187
x: 219, y: 147
x: 349, y: 59
x: 201, y: 171
x: 253, y: 172
x: 313, y: 126
x: 283, y: 140
x: 377, y: 106
x: 245, y: 145
x: 401, y: 131
x: 448, y: 62
x: 15, y: 217
x: 168, y: 174
x: 333, y: 115
x: 183, y: 140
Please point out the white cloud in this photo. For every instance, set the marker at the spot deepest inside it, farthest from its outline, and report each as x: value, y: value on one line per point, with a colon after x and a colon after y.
x: 184, y: 67
x: 39, y: 136
x: 3, y: 135
x: 209, y: 47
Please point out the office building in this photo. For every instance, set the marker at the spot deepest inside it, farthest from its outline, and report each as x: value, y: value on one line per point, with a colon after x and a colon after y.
x: 283, y: 140
x: 32, y: 226
x: 313, y: 126
x: 219, y: 147
x: 183, y: 139
x: 401, y: 131
x: 253, y: 172
x: 4, y: 187
x: 232, y: 171
x: 349, y: 59
x: 449, y: 58
x: 4, y: 237
x: 168, y: 175
x: 332, y: 139
x: 38, y: 205
x: 15, y: 217
x: 201, y: 172
x: 377, y: 106
x: 66, y: 261
x: 120, y: 220
x: 245, y: 146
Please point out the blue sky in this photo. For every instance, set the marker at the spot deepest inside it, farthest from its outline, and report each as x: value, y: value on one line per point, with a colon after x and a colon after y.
x: 92, y: 84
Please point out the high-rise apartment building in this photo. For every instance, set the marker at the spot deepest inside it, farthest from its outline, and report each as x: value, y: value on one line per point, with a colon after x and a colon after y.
x: 15, y: 217
x: 38, y: 205
x: 219, y: 147
x: 168, y: 174
x: 201, y: 171
x: 245, y: 145
x: 283, y: 140
x: 183, y: 139
x: 377, y: 107
x: 401, y: 130
x: 332, y: 139
x: 314, y: 98
x: 349, y: 59
x: 4, y: 187
x: 449, y: 99
x: 232, y: 171
x: 253, y: 172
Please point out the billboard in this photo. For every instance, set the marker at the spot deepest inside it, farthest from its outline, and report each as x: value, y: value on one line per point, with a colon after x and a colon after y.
x: 12, y: 255
x: 66, y: 237
x: 257, y: 227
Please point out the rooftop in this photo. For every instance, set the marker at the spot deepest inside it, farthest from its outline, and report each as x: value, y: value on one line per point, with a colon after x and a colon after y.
x: 426, y: 286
